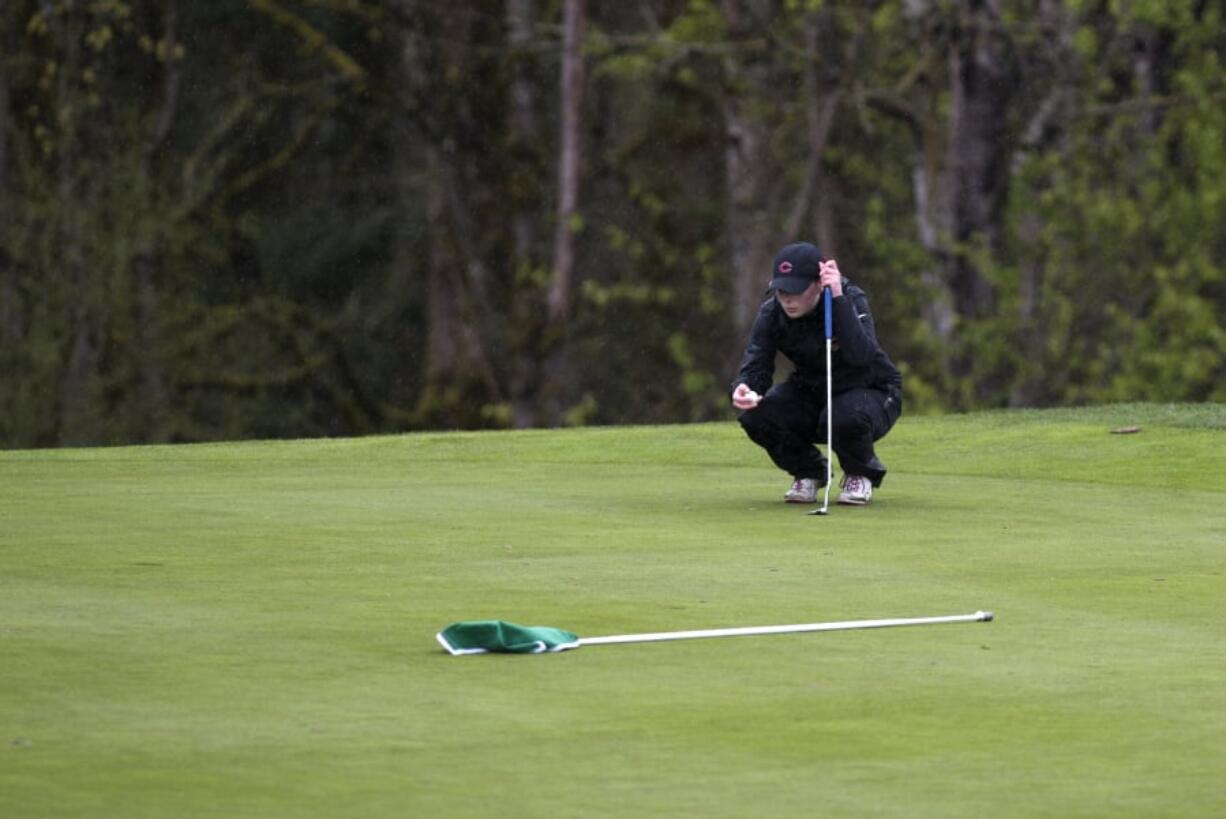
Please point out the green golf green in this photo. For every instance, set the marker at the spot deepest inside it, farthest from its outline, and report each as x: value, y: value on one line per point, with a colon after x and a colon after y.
x: 248, y: 629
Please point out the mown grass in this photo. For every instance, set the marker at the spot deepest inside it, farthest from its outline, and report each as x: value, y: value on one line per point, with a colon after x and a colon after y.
x: 247, y: 629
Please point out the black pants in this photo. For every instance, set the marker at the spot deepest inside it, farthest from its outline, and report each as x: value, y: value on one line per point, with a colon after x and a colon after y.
x: 790, y: 420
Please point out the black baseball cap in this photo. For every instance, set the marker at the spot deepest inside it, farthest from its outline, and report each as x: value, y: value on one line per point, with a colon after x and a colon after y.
x: 796, y: 267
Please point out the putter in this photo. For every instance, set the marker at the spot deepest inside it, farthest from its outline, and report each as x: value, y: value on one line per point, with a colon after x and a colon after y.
x: 825, y: 508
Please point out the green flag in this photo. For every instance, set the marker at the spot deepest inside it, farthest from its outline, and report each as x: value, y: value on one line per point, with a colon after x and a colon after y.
x: 480, y: 636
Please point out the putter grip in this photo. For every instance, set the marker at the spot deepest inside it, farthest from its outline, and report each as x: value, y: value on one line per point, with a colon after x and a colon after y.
x: 829, y: 323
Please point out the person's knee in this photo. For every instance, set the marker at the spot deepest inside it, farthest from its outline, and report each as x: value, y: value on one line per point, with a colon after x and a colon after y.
x: 852, y: 424
x: 758, y: 425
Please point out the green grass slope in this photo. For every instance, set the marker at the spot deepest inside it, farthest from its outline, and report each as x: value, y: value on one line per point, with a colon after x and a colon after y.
x: 248, y: 630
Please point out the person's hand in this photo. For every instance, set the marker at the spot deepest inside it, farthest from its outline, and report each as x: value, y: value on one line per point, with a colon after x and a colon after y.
x: 744, y: 398
x: 831, y: 277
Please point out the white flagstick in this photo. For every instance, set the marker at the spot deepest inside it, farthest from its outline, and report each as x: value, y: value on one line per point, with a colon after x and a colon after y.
x: 979, y: 616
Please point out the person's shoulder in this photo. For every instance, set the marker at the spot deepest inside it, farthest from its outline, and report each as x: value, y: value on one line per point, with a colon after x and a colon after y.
x: 768, y: 309
x: 852, y: 289
x: 768, y: 318
x: 857, y: 294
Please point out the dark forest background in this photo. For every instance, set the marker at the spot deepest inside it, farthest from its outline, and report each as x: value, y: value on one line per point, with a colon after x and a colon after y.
x: 228, y: 219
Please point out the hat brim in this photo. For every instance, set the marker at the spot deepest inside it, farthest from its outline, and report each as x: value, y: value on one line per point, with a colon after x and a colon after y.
x: 790, y: 284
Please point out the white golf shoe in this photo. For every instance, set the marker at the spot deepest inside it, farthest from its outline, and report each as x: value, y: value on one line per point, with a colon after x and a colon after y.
x: 857, y: 491
x: 804, y: 490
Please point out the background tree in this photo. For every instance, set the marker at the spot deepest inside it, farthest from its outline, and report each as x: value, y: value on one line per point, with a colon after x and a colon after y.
x: 307, y: 217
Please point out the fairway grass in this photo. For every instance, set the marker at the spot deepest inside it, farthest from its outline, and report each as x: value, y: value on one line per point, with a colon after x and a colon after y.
x: 247, y: 630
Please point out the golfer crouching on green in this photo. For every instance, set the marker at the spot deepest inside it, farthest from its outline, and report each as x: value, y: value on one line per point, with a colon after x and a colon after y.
x: 789, y: 418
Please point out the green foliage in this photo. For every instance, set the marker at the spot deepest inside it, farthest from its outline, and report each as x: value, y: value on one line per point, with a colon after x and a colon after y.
x: 1134, y: 276
x: 699, y: 23
x: 141, y: 213
x: 278, y: 190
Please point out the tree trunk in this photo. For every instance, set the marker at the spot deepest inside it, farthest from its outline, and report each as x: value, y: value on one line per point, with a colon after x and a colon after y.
x: 751, y: 242
x: 10, y: 315
x: 751, y: 235
x: 562, y: 285
x: 455, y: 384
x: 524, y: 130
x: 4, y: 123
x: 918, y: 105
x: 1028, y: 389
x: 560, y: 300
x: 960, y: 169
x: 1056, y: 59
x: 78, y: 393
x: 152, y: 382
x: 822, y: 95
x: 982, y: 84
x: 525, y: 200
x: 459, y: 377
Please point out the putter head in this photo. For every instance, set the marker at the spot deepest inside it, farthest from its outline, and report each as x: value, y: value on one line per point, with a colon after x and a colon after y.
x: 820, y: 511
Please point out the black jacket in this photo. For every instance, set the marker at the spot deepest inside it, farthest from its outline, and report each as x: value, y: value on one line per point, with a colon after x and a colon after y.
x: 857, y: 359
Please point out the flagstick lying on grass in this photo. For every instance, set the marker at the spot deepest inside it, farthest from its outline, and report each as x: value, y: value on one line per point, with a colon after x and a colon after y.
x: 482, y: 636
